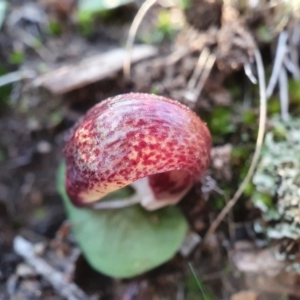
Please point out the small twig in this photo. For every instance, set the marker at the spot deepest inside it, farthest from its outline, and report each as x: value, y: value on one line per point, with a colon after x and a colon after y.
x: 57, y: 279
x: 16, y: 76
x: 92, y: 69
x: 293, y: 47
x: 208, y: 67
x: 199, y: 68
x: 280, y: 54
x: 284, y: 95
x: 292, y: 67
x: 259, y: 143
x: 249, y: 73
x: 194, y: 94
x: 114, y: 204
x: 190, y: 242
x: 132, y: 33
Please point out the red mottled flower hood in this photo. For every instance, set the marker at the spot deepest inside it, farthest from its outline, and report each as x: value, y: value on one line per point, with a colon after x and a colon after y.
x: 154, y: 143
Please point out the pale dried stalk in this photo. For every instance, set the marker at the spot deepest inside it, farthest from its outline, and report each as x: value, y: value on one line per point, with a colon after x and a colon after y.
x: 203, y: 69
x: 280, y: 54
x: 207, y: 69
x: 259, y: 143
x: 284, y: 95
x: 292, y: 68
x: 132, y: 33
x: 293, y: 49
x: 249, y: 74
x: 16, y: 76
x: 199, y: 68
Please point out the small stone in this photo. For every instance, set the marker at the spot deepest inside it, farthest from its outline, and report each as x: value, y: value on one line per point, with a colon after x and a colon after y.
x: 39, y: 248
x: 189, y: 244
x: 44, y: 147
x: 24, y: 270
x: 33, y: 124
x: 245, y: 295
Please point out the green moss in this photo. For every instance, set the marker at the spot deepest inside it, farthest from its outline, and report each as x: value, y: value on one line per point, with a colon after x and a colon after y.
x: 217, y: 202
x: 249, y: 117
x: 85, y: 21
x: 220, y: 122
x: 184, y: 4
x: 264, y: 34
x: 40, y: 213
x: 17, y: 57
x: 54, y: 28
x: 154, y: 90
x: 262, y: 201
x: 239, y: 154
x: 273, y: 106
x: 165, y: 29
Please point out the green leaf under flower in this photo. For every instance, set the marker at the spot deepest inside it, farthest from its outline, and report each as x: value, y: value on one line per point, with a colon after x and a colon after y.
x: 126, y: 242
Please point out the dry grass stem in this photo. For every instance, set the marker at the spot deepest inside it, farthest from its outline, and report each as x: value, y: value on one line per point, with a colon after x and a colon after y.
x: 203, y: 69
x: 249, y: 73
x: 132, y: 33
x: 280, y: 54
x: 294, y: 53
x: 259, y: 143
x: 16, y: 76
x: 292, y: 68
x: 207, y: 69
x: 199, y: 68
